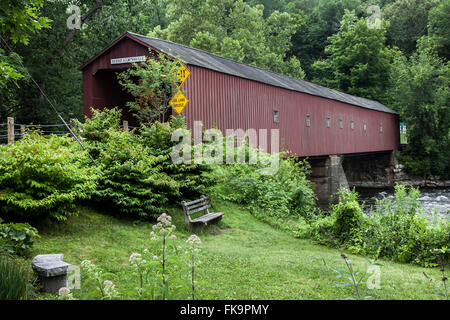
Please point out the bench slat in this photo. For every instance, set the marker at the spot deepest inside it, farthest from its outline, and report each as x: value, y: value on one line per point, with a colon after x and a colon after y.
x: 195, y: 201
x: 197, y: 205
x: 192, y: 211
x: 208, y: 217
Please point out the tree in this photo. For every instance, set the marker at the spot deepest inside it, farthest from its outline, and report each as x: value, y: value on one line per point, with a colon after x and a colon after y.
x: 114, y: 19
x: 439, y: 28
x: 54, y: 70
x: 358, y: 60
x: 421, y: 94
x: 153, y: 84
x: 18, y: 20
x: 52, y: 60
x: 14, y: 73
x: 311, y: 38
x: 235, y: 30
x: 408, y: 22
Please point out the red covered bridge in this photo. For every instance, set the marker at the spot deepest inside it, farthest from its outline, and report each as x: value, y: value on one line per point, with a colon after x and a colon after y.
x: 313, y: 120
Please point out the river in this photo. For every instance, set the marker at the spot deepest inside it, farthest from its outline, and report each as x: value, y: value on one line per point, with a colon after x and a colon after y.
x: 430, y: 198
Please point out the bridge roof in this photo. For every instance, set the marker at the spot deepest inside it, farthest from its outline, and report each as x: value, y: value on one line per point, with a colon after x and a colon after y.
x: 217, y: 63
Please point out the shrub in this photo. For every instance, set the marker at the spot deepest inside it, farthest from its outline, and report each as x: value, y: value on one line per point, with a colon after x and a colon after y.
x: 138, y: 176
x: 43, y: 176
x: 399, y: 230
x: 191, y: 178
x: 348, y: 219
x: 156, y: 84
x: 96, y: 130
x: 285, y: 195
x: 404, y: 231
x: 132, y: 181
x: 16, y: 238
x: 14, y: 280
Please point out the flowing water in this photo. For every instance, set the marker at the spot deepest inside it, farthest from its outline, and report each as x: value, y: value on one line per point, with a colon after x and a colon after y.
x: 430, y: 198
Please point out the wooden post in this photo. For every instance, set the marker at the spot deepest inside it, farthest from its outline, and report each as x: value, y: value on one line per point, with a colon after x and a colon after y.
x: 22, y: 130
x: 125, y: 125
x: 10, y: 130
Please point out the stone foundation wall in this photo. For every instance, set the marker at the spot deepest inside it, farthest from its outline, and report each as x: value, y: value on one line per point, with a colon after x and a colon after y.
x: 382, y: 170
x: 328, y: 176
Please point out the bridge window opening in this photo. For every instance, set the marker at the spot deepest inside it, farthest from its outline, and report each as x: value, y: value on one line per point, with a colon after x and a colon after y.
x: 328, y: 122
x: 341, y: 124
x: 308, y: 120
x: 276, y: 116
x: 352, y: 124
x: 381, y: 127
x: 365, y: 126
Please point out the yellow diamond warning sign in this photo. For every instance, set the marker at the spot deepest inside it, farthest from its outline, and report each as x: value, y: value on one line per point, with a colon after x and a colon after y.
x: 182, y: 73
x: 178, y: 102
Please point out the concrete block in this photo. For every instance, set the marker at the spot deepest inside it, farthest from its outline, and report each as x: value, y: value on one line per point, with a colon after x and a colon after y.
x: 52, y: 271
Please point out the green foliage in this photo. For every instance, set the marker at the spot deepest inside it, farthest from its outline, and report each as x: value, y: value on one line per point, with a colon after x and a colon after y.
x: 53, y: 62
x: 138, y: 177
x: 358, y: 59
x: 321, y: 21
x: 113, y: 20
x: 236, y: 30
x: 14, y: 280
x: 11, y: 64
x: 17, y: 238
x: 190, y: 177
x: 131, y: 180
x: 348, y: 218
x: 399, y: 230
x: 421, y: 94
x: 284, y: 195
x: 52, y: 68
x: 18, y: 20
x: 155, y: 86
x: 439, y: 28
x: 408, y: 22
x: 403, y: 231
x: 96, y: 130
x: 43, y: 176
x: 97, y: 281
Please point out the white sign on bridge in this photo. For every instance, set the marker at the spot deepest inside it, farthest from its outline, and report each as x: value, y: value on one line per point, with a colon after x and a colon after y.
x: 128, y: 60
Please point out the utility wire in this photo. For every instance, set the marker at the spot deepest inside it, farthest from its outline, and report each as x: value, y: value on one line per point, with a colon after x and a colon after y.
x: 51, y: 104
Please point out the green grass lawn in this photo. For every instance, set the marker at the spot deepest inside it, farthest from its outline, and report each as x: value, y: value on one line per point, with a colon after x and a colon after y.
x: 242, y: 258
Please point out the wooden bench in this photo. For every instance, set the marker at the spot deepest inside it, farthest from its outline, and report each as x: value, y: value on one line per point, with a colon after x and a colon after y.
x: 202, y: 204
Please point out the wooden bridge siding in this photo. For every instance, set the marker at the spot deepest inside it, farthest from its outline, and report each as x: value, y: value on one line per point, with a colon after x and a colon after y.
x: 230, y: 102
x: 98, y: 90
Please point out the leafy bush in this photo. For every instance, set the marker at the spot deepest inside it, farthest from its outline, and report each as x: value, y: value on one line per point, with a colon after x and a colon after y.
x: 285, y: 195
x: 132, y: 181
x: 138, y: 176
x: 152, y: 92
x: 403, y: 231
x: 191, y: 178
x: 400, y: 230
x: 96, y: 130
x: 43, y: 176
x: 14, y: 280
x: 17, y: 237
x: 348, y: 218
